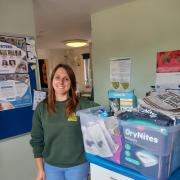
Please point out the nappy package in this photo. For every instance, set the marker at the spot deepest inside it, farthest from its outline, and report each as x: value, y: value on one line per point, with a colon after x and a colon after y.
x: 149, y: 146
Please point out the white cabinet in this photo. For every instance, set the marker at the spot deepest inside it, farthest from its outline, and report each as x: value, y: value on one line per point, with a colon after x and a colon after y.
x: 100, y: 173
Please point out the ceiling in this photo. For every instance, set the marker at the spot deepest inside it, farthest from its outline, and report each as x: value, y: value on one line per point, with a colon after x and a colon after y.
x: 60, y: 20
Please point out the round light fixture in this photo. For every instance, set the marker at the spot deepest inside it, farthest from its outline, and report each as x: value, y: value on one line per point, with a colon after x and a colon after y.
x: 76, y: 43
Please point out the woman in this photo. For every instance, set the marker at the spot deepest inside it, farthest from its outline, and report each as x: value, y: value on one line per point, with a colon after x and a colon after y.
x: 56, y: 133
x: 4, y: 63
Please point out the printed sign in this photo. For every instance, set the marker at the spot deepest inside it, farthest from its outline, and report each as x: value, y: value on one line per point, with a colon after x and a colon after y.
x: 15, y: 91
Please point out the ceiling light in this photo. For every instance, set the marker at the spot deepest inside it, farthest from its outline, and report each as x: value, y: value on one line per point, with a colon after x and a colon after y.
x: 76, y: 43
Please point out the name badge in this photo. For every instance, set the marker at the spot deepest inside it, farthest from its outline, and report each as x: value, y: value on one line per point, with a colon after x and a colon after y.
x: 72, y: 117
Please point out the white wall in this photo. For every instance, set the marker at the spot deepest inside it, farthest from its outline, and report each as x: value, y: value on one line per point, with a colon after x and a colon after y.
x: 16, y: 160
x: 137, y: 29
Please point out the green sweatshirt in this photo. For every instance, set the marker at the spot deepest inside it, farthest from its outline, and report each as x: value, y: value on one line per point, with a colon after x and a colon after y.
x: 56, y: 137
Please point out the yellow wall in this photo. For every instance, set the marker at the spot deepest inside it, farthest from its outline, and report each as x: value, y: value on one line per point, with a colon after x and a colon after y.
x: 138, y: 30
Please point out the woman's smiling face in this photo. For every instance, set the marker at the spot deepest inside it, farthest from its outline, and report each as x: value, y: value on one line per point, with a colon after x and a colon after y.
x: 61, y: 84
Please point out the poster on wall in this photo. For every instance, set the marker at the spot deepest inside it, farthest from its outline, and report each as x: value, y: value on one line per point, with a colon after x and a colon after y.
x: 13, y: 57
x: 120, y: 71
x: 43, y: 73
x: 15, y: 54
x: 31, y: 50
x: 37, y: 98
x: 168, y: 61
x: 15, y: 91
x: 168, y: 70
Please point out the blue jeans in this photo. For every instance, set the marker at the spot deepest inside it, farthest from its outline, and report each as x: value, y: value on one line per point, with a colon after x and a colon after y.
x: 79, y: 172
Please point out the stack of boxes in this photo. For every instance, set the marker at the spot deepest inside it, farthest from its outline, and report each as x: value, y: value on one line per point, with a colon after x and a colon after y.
x: 121, y: 100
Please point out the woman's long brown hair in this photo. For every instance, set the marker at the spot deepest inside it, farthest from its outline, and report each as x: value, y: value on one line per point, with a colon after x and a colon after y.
x: 72, y: 101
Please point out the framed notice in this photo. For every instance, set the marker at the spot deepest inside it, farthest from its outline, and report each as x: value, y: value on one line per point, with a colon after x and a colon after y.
x: 168, y: 70
x: 120, y: 71
x: 168, y: 61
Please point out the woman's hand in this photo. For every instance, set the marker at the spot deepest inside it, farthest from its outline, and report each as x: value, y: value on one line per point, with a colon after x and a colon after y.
x: 40, y: 169
x: 40, y: 175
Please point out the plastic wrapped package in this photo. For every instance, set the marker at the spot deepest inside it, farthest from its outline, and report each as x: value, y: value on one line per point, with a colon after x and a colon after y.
x: 149, y: 148
x: 101, y: 135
